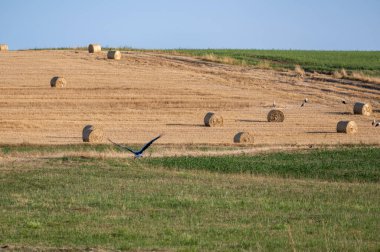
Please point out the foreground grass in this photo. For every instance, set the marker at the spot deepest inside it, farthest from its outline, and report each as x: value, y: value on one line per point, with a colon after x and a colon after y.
x: 138, y: 204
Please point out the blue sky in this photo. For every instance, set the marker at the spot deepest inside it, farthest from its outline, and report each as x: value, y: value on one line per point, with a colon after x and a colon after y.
x: 264, y: 24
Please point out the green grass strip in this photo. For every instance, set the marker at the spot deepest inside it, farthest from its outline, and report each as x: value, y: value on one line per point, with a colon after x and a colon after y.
x: 347, y: 164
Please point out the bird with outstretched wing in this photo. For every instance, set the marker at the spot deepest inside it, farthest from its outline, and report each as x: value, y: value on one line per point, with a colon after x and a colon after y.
x: 139, y: 153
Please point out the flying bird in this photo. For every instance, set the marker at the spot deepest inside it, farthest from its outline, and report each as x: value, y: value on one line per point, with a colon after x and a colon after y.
x: 139, y: 153
x: 304, y: 102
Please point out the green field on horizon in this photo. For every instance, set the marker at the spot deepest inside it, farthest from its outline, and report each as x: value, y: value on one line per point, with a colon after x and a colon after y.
x: 320, y: 61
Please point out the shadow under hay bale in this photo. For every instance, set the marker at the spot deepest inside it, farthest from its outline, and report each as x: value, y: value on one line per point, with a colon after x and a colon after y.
x: 3, y: 47
x: 244, y: 138
x: 275, y: 115
x: 362, y: 109
x: 58, y: 82
x: 114, y: 55
x: 339, y: 113
x: 185, y: 124
x: 320, y: 132
x: 250, y: 121
x: 348, y: 127
x: 90, y: 134
x: 213, y: 120
x: 94, y: 48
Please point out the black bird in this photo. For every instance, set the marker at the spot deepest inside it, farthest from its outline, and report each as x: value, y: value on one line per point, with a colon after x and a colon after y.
x: 138, y: 154
x: 304, y: 102
x: 344, y: 102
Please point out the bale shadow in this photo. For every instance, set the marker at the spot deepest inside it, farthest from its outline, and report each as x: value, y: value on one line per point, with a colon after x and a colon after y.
x: 61, y: 137
x: 339, y: 113
x: 250, y: 121
x: 376, y: 110
x: 185, y: 124
x: 320, y: 132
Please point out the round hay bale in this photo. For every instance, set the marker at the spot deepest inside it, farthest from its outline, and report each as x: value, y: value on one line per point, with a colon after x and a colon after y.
x: 58, y: 82
x: 213, y: 120
x: 3, y: 47
x: 244, y: 138
x: 91, y: 134
x: 348, y: 127
x: 276, y: 115
x: 94, y: 48
x: 114, y: 55
x: 362, y: 108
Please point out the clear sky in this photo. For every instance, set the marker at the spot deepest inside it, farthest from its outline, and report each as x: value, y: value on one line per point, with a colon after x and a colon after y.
x: 257, y: 24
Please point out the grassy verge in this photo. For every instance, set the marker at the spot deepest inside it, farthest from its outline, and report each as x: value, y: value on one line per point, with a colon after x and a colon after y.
x: 347, y: 164
x: 136, y: 204
x: 31, y: 150
x: 28, y: 148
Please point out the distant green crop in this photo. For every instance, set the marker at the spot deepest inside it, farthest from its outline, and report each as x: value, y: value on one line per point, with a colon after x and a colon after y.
x: 321, y: 61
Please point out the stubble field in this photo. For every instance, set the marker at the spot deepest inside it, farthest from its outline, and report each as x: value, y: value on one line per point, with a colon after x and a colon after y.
x: 147, y: 93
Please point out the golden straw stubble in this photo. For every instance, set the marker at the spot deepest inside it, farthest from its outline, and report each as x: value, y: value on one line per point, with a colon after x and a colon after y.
x: 92, y: 134
x: 213, y: 120
x: 348, y: 127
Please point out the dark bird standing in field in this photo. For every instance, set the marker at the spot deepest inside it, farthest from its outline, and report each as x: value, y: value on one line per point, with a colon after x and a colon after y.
x: 138, y: 154
x: 304, y: 102
x: 375, y: 123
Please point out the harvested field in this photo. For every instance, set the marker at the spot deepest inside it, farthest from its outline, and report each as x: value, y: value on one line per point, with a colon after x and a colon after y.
x: 145, y: 94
